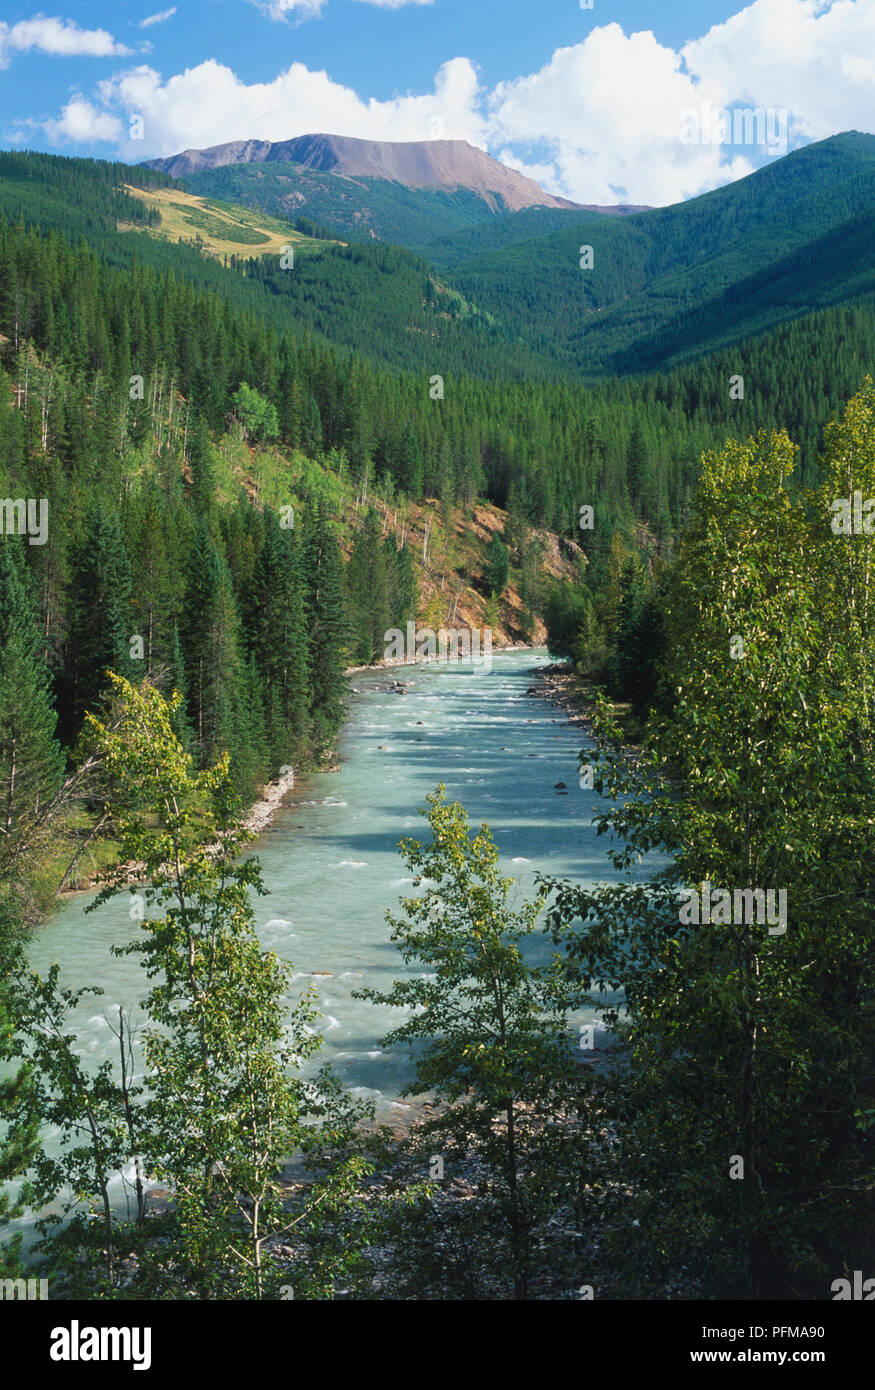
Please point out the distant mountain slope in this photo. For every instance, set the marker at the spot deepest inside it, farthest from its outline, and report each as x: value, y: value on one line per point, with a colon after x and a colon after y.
x: 454, y: 248
x: 416, y: 163
x: 667, y: 286
x: 222, y: 229
x: 379, y: 300
x: 406, y: 192
x: 673, y: 283
x: 353, y: 209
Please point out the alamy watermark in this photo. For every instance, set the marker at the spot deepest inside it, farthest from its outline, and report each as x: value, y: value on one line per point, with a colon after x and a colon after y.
x: 76, y: 1343
x: 28, y: 517
x: 763, y: 126
x: 852, y: 516
x: 741, y: 907
x: 27, y: 1291
x: 447, y: 644
x: 860, y: 1291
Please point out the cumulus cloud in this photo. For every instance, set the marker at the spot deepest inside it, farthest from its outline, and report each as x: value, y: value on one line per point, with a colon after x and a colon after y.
x: 61, y: 37
x: 209, y: 104
x: 158, y: 18
x: 604, y: 116
x: 601, y: 121
x: 813, y: 58
x: 82, y: 123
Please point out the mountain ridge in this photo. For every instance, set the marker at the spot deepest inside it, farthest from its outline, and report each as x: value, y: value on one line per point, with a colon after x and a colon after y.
x: 444, y: 164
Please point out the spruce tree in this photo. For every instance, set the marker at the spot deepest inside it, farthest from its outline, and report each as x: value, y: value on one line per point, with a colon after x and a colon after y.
x: 405, y: 589
x: 278, y: 627
x: 324, y: 578
x: 31, y: 762
x: 219, y: 688
x: 367, y: 579
x: 101, y: 624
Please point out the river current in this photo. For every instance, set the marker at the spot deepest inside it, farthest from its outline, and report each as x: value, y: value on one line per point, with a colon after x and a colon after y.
x: 331, y: 860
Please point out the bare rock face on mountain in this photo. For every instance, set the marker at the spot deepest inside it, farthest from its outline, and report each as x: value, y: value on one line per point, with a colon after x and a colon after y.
x: 416, y: 163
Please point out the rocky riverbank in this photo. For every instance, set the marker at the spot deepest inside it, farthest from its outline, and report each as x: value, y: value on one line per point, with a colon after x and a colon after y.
x: 561, y: 686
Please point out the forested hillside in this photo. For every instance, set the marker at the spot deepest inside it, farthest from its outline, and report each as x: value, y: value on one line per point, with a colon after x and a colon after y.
x: 664, y: 287
x: 674, y: 283
x: 361, y: 209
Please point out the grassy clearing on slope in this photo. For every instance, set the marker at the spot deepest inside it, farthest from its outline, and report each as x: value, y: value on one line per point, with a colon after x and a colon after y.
x: 224, y: 229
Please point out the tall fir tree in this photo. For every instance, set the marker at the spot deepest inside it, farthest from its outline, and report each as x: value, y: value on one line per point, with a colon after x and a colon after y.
x: 367, y: 583
x: 31, y: 761
x: 324, y: 577
x: 101, y: 623
x: 279, y: 642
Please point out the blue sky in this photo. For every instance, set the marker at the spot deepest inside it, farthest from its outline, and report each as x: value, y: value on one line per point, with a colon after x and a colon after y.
x: 592, y: 102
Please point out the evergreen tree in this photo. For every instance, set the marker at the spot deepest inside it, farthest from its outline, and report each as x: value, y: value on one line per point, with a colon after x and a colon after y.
x: 637, y: 473
x: 325, y: 607
x: 219, y: 687
x: 408, y: 467
x: 405, y: 589
x: 200, y: 462
x: 101, y: 620
x: 278, y: 627
x: 496, y: 572
x: 31, y: 762
x: 367, y: 585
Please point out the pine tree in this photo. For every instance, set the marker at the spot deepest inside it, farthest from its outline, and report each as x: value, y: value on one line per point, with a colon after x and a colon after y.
x: 408, y: 468
x: 101, y: 624
x: 325, y: 606
x: 637, y: 472
x: 405, y: 590
x: 219, y: 688
x: 153, y: 545
x: 367, y: 584
x: 200, y: 462
x: 278, y: 627
x: 31, y: 762
x: 495, y: 574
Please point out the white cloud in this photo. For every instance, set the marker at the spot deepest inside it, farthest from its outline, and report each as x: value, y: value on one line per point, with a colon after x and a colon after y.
x: 599, y: 122
x: 209, y: 104
x: 601, y: 118
x: 158, y: 18
x: 285, y: 10
x: 61, y: 37
x: 606, y: 114
x: 290, y: 9
x: 82, y: 123
x: 813, y: 58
